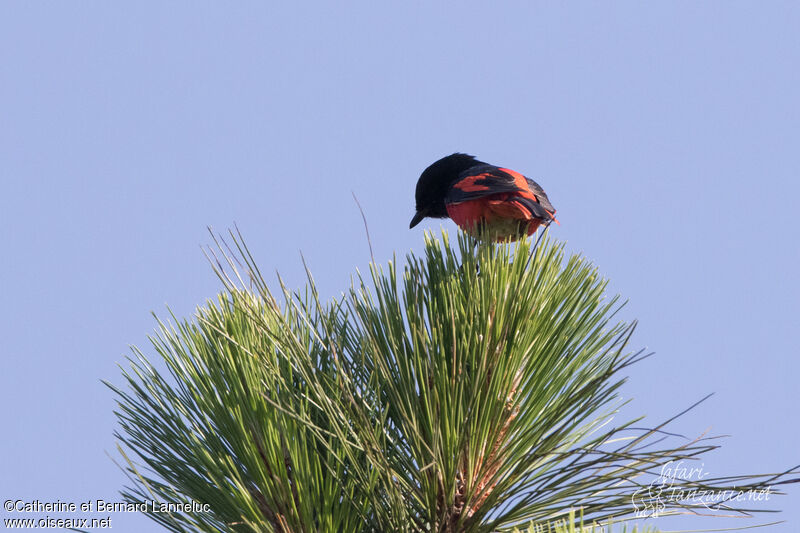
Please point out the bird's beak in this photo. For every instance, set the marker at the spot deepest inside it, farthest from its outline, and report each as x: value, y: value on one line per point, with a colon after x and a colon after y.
x: 418, y: 217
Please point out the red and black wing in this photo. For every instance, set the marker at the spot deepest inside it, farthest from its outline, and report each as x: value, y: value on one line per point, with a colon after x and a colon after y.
x: 482, y: 181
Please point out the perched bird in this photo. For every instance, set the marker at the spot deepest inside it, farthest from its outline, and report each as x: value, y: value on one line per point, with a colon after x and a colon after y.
x: 488, y: 202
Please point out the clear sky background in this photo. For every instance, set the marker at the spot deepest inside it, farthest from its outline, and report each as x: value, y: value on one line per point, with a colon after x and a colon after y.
x: 666, y: 134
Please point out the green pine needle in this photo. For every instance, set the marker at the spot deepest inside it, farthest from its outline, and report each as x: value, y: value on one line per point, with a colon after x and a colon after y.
x: 471, y: 392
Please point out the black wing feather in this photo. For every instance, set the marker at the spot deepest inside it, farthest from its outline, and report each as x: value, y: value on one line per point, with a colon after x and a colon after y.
x: 541, y: 196
x: 498, y: 181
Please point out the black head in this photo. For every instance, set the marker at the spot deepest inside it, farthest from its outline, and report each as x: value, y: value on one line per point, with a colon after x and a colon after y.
x: 435, y: 181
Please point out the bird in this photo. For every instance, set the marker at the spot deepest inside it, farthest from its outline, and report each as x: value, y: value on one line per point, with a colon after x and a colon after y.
x: 490, y: 203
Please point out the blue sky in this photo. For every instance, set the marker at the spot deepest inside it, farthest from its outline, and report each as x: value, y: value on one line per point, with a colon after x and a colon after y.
x: 666, y: 134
